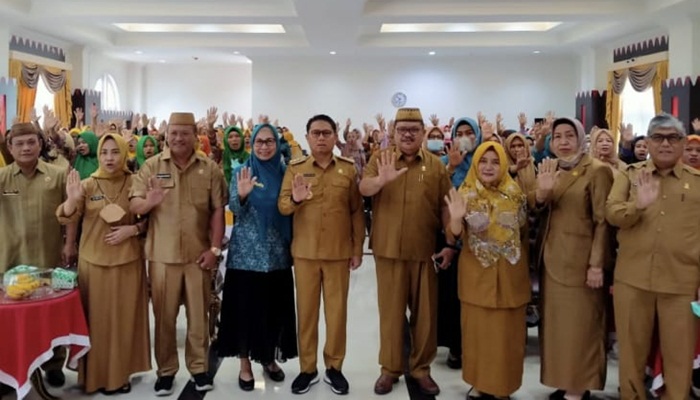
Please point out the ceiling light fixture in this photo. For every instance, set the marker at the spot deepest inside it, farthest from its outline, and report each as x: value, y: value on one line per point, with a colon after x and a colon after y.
x: 432, y: 53
x: 236, y: 52
x: 469, y: 27
x: 536, y: 52
x: 201, y: 28
x: 138, y: 52
x: 333, y: 53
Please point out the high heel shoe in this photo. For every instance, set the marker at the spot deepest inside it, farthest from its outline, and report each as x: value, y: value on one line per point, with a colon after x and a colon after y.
x: 277, y: 376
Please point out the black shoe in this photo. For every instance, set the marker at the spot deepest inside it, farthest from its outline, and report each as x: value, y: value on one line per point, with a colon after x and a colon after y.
x: 557, y: 395
x: 481, y: 396
x: 453, y: 361
x: 277, y: 376
x: 5, y: 390
x: 202, y: 382
x: 246, y: 386
x: 55, y: 378
x: 122, y: 390
x: 304, y: 381
x: 335, y: 378
x: 164, y: 386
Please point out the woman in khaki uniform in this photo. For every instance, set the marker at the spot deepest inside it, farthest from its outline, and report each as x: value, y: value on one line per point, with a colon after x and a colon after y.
x: 111, y: 272
x: 571, y: 193
x: 603, y: 148
x: 494, y: 284
x: 521, y: 166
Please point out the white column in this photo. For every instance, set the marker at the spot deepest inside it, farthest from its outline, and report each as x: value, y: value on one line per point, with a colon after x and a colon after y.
x: 681, y: 48
x: 5, y: 37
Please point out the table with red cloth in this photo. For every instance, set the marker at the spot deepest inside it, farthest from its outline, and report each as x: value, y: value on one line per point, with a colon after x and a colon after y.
x: 31, y: 329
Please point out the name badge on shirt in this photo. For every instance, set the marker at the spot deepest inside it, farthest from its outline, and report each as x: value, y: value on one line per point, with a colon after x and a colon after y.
x: 97, y: 197
x: 163, y: 176
x: 10, y: 192
x: 309, y: 175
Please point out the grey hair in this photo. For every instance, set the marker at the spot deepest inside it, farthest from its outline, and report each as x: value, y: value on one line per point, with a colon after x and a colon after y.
x: 665, y: 120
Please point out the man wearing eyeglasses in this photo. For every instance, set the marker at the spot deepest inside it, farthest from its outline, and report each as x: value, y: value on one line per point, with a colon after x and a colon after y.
x: 407, y: 184
x: 329, y: 230
x: 656, y: 205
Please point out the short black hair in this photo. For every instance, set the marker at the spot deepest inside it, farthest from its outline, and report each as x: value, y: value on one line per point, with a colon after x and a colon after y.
x: 321, y: 117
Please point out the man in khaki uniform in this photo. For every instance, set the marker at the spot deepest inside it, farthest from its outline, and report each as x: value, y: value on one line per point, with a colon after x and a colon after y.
x: 408, y: 185
x: 656, y: 205
x: 31, y: 235
x: 321, y: 191
x: 184, y: 194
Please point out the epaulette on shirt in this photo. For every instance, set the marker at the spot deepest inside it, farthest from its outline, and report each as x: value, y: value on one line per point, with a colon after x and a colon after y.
x: 691, y: 170
x: 637, y: 165
x: 347, y: 159
x: 298, y: 160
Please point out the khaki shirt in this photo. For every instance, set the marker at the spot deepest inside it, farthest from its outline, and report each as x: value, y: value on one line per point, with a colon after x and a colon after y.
x: 179, y: 228
x: 330, y: 225
x: 660, y: 245
x: 30, y: 233
x: 407, y: 213
x: 93, y: 248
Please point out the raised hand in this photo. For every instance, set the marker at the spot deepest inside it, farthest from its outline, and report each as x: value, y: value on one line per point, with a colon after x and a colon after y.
x: 212, y: 116
x: 240, y: 121
x: 245, y: 182
x: 647, y: 189
x: 434, y: 120
x: 455, y: 205
x: 696, y: 124
x: 301, y: 190
x: 451, y: 122
x: 348, y: 123
x: 546, y: 179
x: 387, y: 171
x: 522, y: 162
x: 250, y: 124
x: 152, y: 123
x: 276, y: 122
x: 163, y: 127
x: 224, y: 117
x: 74, y: 190
x: 480, y: 118
x: 34, y: 117
x: 454, y: 155
x: 499, y: 119
x: 265, y: 119
x: 627, y: 132
x: 522, y: 120
x: 487, y: 130
x: 156, y: 193
x: 79, y: 115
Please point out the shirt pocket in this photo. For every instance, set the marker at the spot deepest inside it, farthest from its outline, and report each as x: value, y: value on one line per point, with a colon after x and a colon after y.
x: 200, y: 191
x: 339, y: 190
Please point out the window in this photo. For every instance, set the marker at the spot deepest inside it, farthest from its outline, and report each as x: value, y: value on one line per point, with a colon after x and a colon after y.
x: 637, y: 108
x: 110, y: 94
x: 44, y: 97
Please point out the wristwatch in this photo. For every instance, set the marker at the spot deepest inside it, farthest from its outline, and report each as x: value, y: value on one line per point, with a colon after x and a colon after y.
x: 216, y: 251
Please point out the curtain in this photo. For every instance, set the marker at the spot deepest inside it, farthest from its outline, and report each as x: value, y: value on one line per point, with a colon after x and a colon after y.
x: 641, y: 78
x: 57, y: 81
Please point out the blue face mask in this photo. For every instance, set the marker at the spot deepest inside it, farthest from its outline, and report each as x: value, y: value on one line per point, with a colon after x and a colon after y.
x: 435, y: 145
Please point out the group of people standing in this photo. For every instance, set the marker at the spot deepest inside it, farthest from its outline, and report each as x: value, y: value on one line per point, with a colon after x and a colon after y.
x: 468, y: 208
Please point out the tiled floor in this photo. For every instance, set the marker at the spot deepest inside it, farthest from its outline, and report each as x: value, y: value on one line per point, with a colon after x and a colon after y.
x: 360, y: 367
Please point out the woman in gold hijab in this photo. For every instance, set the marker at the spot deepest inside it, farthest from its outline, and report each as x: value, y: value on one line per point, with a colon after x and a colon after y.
x: 488, y: 212
x: 604, y: 149
x: 521, y: 166
x: 111, y: 272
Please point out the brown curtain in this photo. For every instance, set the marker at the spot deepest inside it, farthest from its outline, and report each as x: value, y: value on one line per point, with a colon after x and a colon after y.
x: 57, y: 81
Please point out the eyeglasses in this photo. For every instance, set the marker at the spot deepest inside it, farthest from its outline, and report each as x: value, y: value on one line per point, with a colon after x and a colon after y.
x: 317, y: 134
x: 672, y: 138
x: 266, y: 142
x: 405, y: 131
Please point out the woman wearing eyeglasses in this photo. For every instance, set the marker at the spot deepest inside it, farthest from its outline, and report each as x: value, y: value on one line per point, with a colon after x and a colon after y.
x: 571, y: 194
x: 258, y: 320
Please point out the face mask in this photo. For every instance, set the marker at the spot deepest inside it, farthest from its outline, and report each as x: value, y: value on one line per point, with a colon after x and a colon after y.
x: 465, y: 144
x: 435, y: 145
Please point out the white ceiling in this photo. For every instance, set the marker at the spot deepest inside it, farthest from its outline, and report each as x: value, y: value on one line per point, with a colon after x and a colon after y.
x: 348, y: 27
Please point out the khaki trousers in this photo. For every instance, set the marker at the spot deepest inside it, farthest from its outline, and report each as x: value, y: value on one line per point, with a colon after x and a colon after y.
x: 311, y: 277
x: 171, y: 284
x: 635, y: 310
x: 402, y: 284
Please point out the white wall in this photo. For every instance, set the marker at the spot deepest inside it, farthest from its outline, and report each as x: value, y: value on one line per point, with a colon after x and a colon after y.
x: 99, y: 64
x: 293, y: 90
x: 194, y: 88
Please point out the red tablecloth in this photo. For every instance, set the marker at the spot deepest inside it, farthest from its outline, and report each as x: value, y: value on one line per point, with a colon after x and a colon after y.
x: 31, y: 330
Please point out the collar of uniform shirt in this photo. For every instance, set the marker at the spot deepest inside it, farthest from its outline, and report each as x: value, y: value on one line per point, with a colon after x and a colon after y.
x: 40, y: 167
x: 676, y: 171
x: 419, y: 155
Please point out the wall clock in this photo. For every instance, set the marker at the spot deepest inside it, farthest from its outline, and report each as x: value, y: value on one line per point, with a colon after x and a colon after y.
x: 398, y: 100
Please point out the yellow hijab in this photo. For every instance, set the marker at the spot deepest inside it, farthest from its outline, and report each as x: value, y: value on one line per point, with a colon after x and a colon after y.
x: 494, y: 213
x: 123, y: 154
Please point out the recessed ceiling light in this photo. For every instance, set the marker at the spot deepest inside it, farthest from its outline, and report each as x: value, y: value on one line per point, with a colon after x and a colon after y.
x: 161, y: 61
x: 432, y: 53
x: 202, y: 28
x: 536, y: 52
x: 138, y: 52
x: 236, y: 52
x: 333, y: 53
x: 469, y: 27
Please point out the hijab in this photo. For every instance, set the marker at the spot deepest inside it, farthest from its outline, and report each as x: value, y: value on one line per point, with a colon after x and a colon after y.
x: 500, y: 208
x: 230, y: 155
x: 140, y: 156
x: 123, y: 146
x: 462, y: 169
x: 87, y: 164
x: 571, y: 161
x: 263, y: 198
x: 527, y: 178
